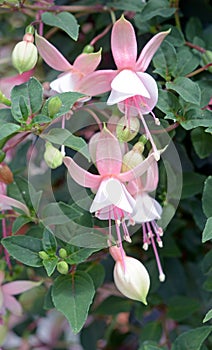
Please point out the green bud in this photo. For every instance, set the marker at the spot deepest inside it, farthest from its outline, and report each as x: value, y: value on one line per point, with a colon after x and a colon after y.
x: 43, y: 255
x: 2, y: 156
x: 62, y: 253
x: 127, y: 130
x: 24, y: 56
x: 207, y: 58
x: 54, y: 106
x: 88, y: 49
x: 143, y: 139
x: 30, y: 30
x: 62, y: 267
x: 4, y: 99
x: 52, y: 156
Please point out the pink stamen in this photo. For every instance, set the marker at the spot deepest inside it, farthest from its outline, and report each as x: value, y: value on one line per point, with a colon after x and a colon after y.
x: 119, y: 243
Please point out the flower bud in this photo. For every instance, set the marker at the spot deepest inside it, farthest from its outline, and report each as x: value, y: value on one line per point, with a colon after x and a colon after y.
x: 127, y: 130
x: 54, y: 106
x: 43, y: 255
x: 133, y: 158
x: 132, y: 279
x: 6, y: 176
x: 88, y: 49
x: 207, y: 58
x: 62, y: 253
x: 25, y: 54
x: 52, y: 156
x: 62, y: 267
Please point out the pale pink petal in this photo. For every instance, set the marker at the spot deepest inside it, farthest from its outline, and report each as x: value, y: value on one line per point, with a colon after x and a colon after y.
x: 80, y: 175
x: 97, y: 82
x: 111, y: 191
x: 149, y: 50
x: 150, y: 84
x: 5, y: 200
x: 66, y: 82
x: 12, y: 305
x: 87, y: 62
x: 6, y: 84
x: 92, y: 146
x: 108, y: 154
x: 124, y: 44
x: 146, y: 209
x: 138, y: 170
x: 18, y: 287
x: 151, y: 182
x: 51, y: 55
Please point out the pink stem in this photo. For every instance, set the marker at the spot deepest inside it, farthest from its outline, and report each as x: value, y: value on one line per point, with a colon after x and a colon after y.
x: 4, y: 233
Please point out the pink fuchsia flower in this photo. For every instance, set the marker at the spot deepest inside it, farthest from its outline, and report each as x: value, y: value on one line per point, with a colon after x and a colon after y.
x: 130, y: 276
x: 147, y: 211
x: 7, y: 292
x: 112, y: 200
x: 6, y: 84
x: 7, y: 203
x: 73, y: 75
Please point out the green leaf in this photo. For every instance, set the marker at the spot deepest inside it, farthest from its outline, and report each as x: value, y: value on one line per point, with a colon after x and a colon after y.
x: 207, y: 198
x: 49, y: 242
x: 208, y: 316
x: 50, y: 264
x: 186, y: 62
x: 63, y: 20
x: 151, y: 331
x: 207, y: 233
x: 95, y: 271
x: 5, y: 116
x: 181, y: 307
x: 133, y: 5
x: 192, y: 184
x: 72, y: 295
x: 77, y: 255
x: 8, y: 130
x: 165, y: 60
x: 149, y: 345
x: 168, y: 103
x: 24, y: 248
x: 155, y: 8
x: 193, y: 28
x: 186, y: 88
x: 66, y: 138
x: 202, y: 142
x: 19, y: 222
x: 58, y: 213
x: 119, y: 305
x: 195, y: 117
x: 192, y: 339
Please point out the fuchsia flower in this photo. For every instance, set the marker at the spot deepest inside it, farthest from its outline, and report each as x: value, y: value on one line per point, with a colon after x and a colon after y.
x: 73, y: 75
x: 112, y: 200
x: 6, y: 203
x: 6, y: 84
x: 147, y: 211
x: 130, y: 276
x: 7, y: 292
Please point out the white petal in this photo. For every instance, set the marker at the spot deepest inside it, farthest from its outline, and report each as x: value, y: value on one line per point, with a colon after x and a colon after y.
x: 66, y: 82
x: 146, y: 209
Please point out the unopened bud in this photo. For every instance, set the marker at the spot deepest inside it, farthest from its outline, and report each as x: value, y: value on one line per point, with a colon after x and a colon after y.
x: 62, y: 253
x: 133, y: 158
x: 25, y: 54
x: 6, y: 175
x: 43, y: 255
x: 52, y: 156
x: 132, y: 280
x: 88, y: 49
x: 126, y: 130
x: 54, y: 106
x: 207, y: 58
x: 62, y: 267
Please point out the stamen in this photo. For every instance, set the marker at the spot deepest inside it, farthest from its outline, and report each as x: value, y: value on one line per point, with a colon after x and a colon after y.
x: 161, y: 273
x: 126, y: 232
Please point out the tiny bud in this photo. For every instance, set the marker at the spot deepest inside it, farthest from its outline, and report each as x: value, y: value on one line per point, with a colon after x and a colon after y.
x: 30, y: 30
x: 54, y: 106
x: 24, y: 56
x: 52, y: 156
x: 43, y: 255
x: 132, y: 279
x: 62, y: 253
x: 6, y: 175
x: 62, y: 267
x: 127, y: 130
x: 88, y: 49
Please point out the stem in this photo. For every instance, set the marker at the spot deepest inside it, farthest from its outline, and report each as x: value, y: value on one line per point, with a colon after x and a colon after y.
x: 4, y: 234
x: 169, y: 128
x: 197, y: 71
x: 96, y: 118
x: 176, y: 14
x: 105, y: 31
x: 196, y: 47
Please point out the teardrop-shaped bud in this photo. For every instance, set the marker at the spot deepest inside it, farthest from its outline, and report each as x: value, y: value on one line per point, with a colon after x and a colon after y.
x: 62, y: 253
x: 132, y: 279
x: 54, y: 106
x: 133, y: 158
x: 25, y: 54
x: 62, y: 267
x: 126, y: 130
x: 52, y: 156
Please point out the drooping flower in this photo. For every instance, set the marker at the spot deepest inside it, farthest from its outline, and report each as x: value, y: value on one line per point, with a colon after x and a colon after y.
x: 7, y: 292
x: 148, y: 211
x: 6, y: 84
x: 73, y: 75
x: 112, y: 200
x: 130, y: 276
